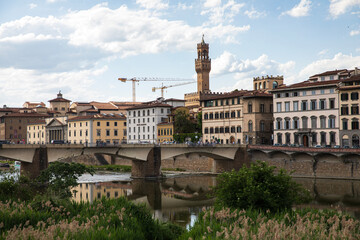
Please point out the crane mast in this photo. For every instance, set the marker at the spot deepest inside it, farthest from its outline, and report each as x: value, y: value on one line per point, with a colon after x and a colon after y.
x: 134, y: 80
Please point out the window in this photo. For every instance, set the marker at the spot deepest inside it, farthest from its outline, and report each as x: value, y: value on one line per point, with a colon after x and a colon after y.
x: 296, y: 123
x: 74, y: 133
x: 278, y: 107
x: 304, y: 122
x: 314, y: 138
x: 262, y: 107
x: 107, y: 124
x: 211, y: 130
x: 313, y: 92
x: 115, y: 132
x: 332, y: 103
x: 162, y: 110
x: 354, y: 110
x: 313, y: 105
x: 331, y: 121
x: 278, y: 123
x: 206, y: 130
x: 313, y: 122
x: 322, y: 78
x: 322, y: 91
x: 227, y: 130
x: 262, y: 126
x: 344, y: 110
x: 238, y: 113
x: 322, y: 122
x: 211, y: 116
x: 344, y: 97
x: 98, y: 124
x: 355, y: 124
x: 304, y: 93
x: 287, y: 106
x: 287, y: 123
x: 287, y: 138
x: 322, y: 104
x: 115, y: 124
x: 323, y: 138
x: 332, y: 138
x: 332, y: 77
x: 232, y: 130
x: 331, y: 90
x: 250, y: 108
x: 354, y: 96
x: 304, y: 105
x: 295, y: 94
x: 233, y: 115
x: 250, y: 125
x: 345, y: 124
x: 296, y: 106
x: 98, y: 132
x: 238, y: 129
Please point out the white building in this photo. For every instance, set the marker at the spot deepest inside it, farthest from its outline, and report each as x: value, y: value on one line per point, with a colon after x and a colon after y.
x: 142, y: 121
x: 307, y: 113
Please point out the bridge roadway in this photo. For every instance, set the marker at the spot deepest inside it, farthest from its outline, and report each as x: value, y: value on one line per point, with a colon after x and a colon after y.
x: 146, y: 158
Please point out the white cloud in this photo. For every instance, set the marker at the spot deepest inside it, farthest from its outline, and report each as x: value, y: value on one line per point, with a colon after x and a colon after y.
x: 300, y: 10
x: 245, y: 70
x: 323, y: 52
x: 253, y: 14
x: 339, y: 7
x: 183, y: 6
x: 354, y: 32
x: 32, y: 5
x: 97, y: 33
x: 339, y: 61
x: 221, y: 13
x: 40, y: 86
x: 153, y: 4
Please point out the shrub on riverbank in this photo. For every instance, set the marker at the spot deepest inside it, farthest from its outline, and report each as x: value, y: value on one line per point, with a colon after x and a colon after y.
x: 104, y: 219
x: 114, y: 168
x: 257, y: 224
x: 259, y: 187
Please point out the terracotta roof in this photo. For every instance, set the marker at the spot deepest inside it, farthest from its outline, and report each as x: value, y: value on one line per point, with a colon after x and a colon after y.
x: 98, y: 116
x: 38, y: 121
x: 307, y: 84
x: 103, y: 106
x: 241, y: 93
x: 352, y: 78
x: 26, y: 115
x: 149, y: 105
x: 59, y: 100
x: 10, y: 109
x: 82, y: 103
x: 125, y: 103
x: 174, y: 99
x: 90, y: 110
x: 333, y: 72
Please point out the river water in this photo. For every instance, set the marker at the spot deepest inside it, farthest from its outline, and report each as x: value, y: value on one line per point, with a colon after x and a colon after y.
x: 180, y: 198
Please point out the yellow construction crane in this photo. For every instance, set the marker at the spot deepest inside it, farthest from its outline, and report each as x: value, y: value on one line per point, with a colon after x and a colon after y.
x: 165, y: 87
x: 134, y: 80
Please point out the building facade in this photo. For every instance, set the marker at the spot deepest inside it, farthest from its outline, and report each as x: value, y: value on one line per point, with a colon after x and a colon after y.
x: 97, y: 129
x: 60, y: 105
x: 165, y: 132
x: 237, y: 117
x: 142, y: 121
x: 307, y: 113
x: 36, y: 133
x: 349, y: 110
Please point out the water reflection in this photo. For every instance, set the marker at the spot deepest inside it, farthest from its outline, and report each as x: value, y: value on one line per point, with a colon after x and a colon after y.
x: 178, y: 199
x: 336, y: 194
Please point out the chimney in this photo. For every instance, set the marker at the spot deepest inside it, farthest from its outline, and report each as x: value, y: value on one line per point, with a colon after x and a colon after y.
x: 356, y: 71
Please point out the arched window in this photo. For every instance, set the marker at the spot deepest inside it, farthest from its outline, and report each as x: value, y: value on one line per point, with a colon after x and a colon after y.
x: 287, y: 123
x: 250, y: 107
x: 275, y: 84
x: 322, y: 122
x: 313, y: 122
x: 250, y: 126
x: 262, y: 126
x: 264, y: 85
x: 206, y: 130
x: 211, y: 130
x: 332, y: 119
x: 255, y: 86
x: 211, y: 116
x: 216, y: 115
x: 295, y: 123
x: 216, y: 130
x: 259, y: 86
x: 206, y: 116
x: 304, y: 122
x: 355, y: 140
x: 221, y: 115
x: 278, y: 123
x: 354, y: 123
x: 279, y: 138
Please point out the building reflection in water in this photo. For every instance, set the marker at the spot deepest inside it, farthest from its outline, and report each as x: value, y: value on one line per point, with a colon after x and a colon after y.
x: 180, y: 199
x: 177, y: 199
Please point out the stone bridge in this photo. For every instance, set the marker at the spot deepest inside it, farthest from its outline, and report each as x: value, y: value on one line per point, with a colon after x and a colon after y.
x: 310, y: 161
x: 146, y: 158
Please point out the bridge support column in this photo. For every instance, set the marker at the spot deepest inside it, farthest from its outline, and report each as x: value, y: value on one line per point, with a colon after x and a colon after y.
x: 39, y: 163
x: 149, y: 168
x: 152, y: 190
x: 241, y: 158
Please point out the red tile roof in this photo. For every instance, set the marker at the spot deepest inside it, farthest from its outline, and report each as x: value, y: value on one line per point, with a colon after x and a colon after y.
x: 98, y: 116
x: 26, y: 115
x: 241, y: 93
x: 149, y: 105
x: 328, y: 73
x: 59, y: 100
x: 103, y: 106
x: 307, y: 84
x: 38, y: 121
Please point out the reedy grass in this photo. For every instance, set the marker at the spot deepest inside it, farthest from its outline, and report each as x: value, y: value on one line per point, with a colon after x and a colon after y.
x: 257, y: 224
x: 103, y: 219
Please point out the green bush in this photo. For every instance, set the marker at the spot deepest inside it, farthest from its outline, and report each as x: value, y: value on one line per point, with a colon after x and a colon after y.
x: 259, y: 187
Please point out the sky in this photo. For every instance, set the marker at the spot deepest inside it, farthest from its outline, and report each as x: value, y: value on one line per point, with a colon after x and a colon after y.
x: 81, y: 47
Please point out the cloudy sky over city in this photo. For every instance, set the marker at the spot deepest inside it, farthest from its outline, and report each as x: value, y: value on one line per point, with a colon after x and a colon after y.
x: 82, y: 47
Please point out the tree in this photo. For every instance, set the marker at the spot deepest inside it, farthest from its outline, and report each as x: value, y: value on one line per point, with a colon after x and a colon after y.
x: 60, y: 177
x: 182, y: 122
x: 258, y: 187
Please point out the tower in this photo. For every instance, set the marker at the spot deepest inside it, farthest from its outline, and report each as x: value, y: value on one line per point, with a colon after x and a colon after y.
x: 203, y: 66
